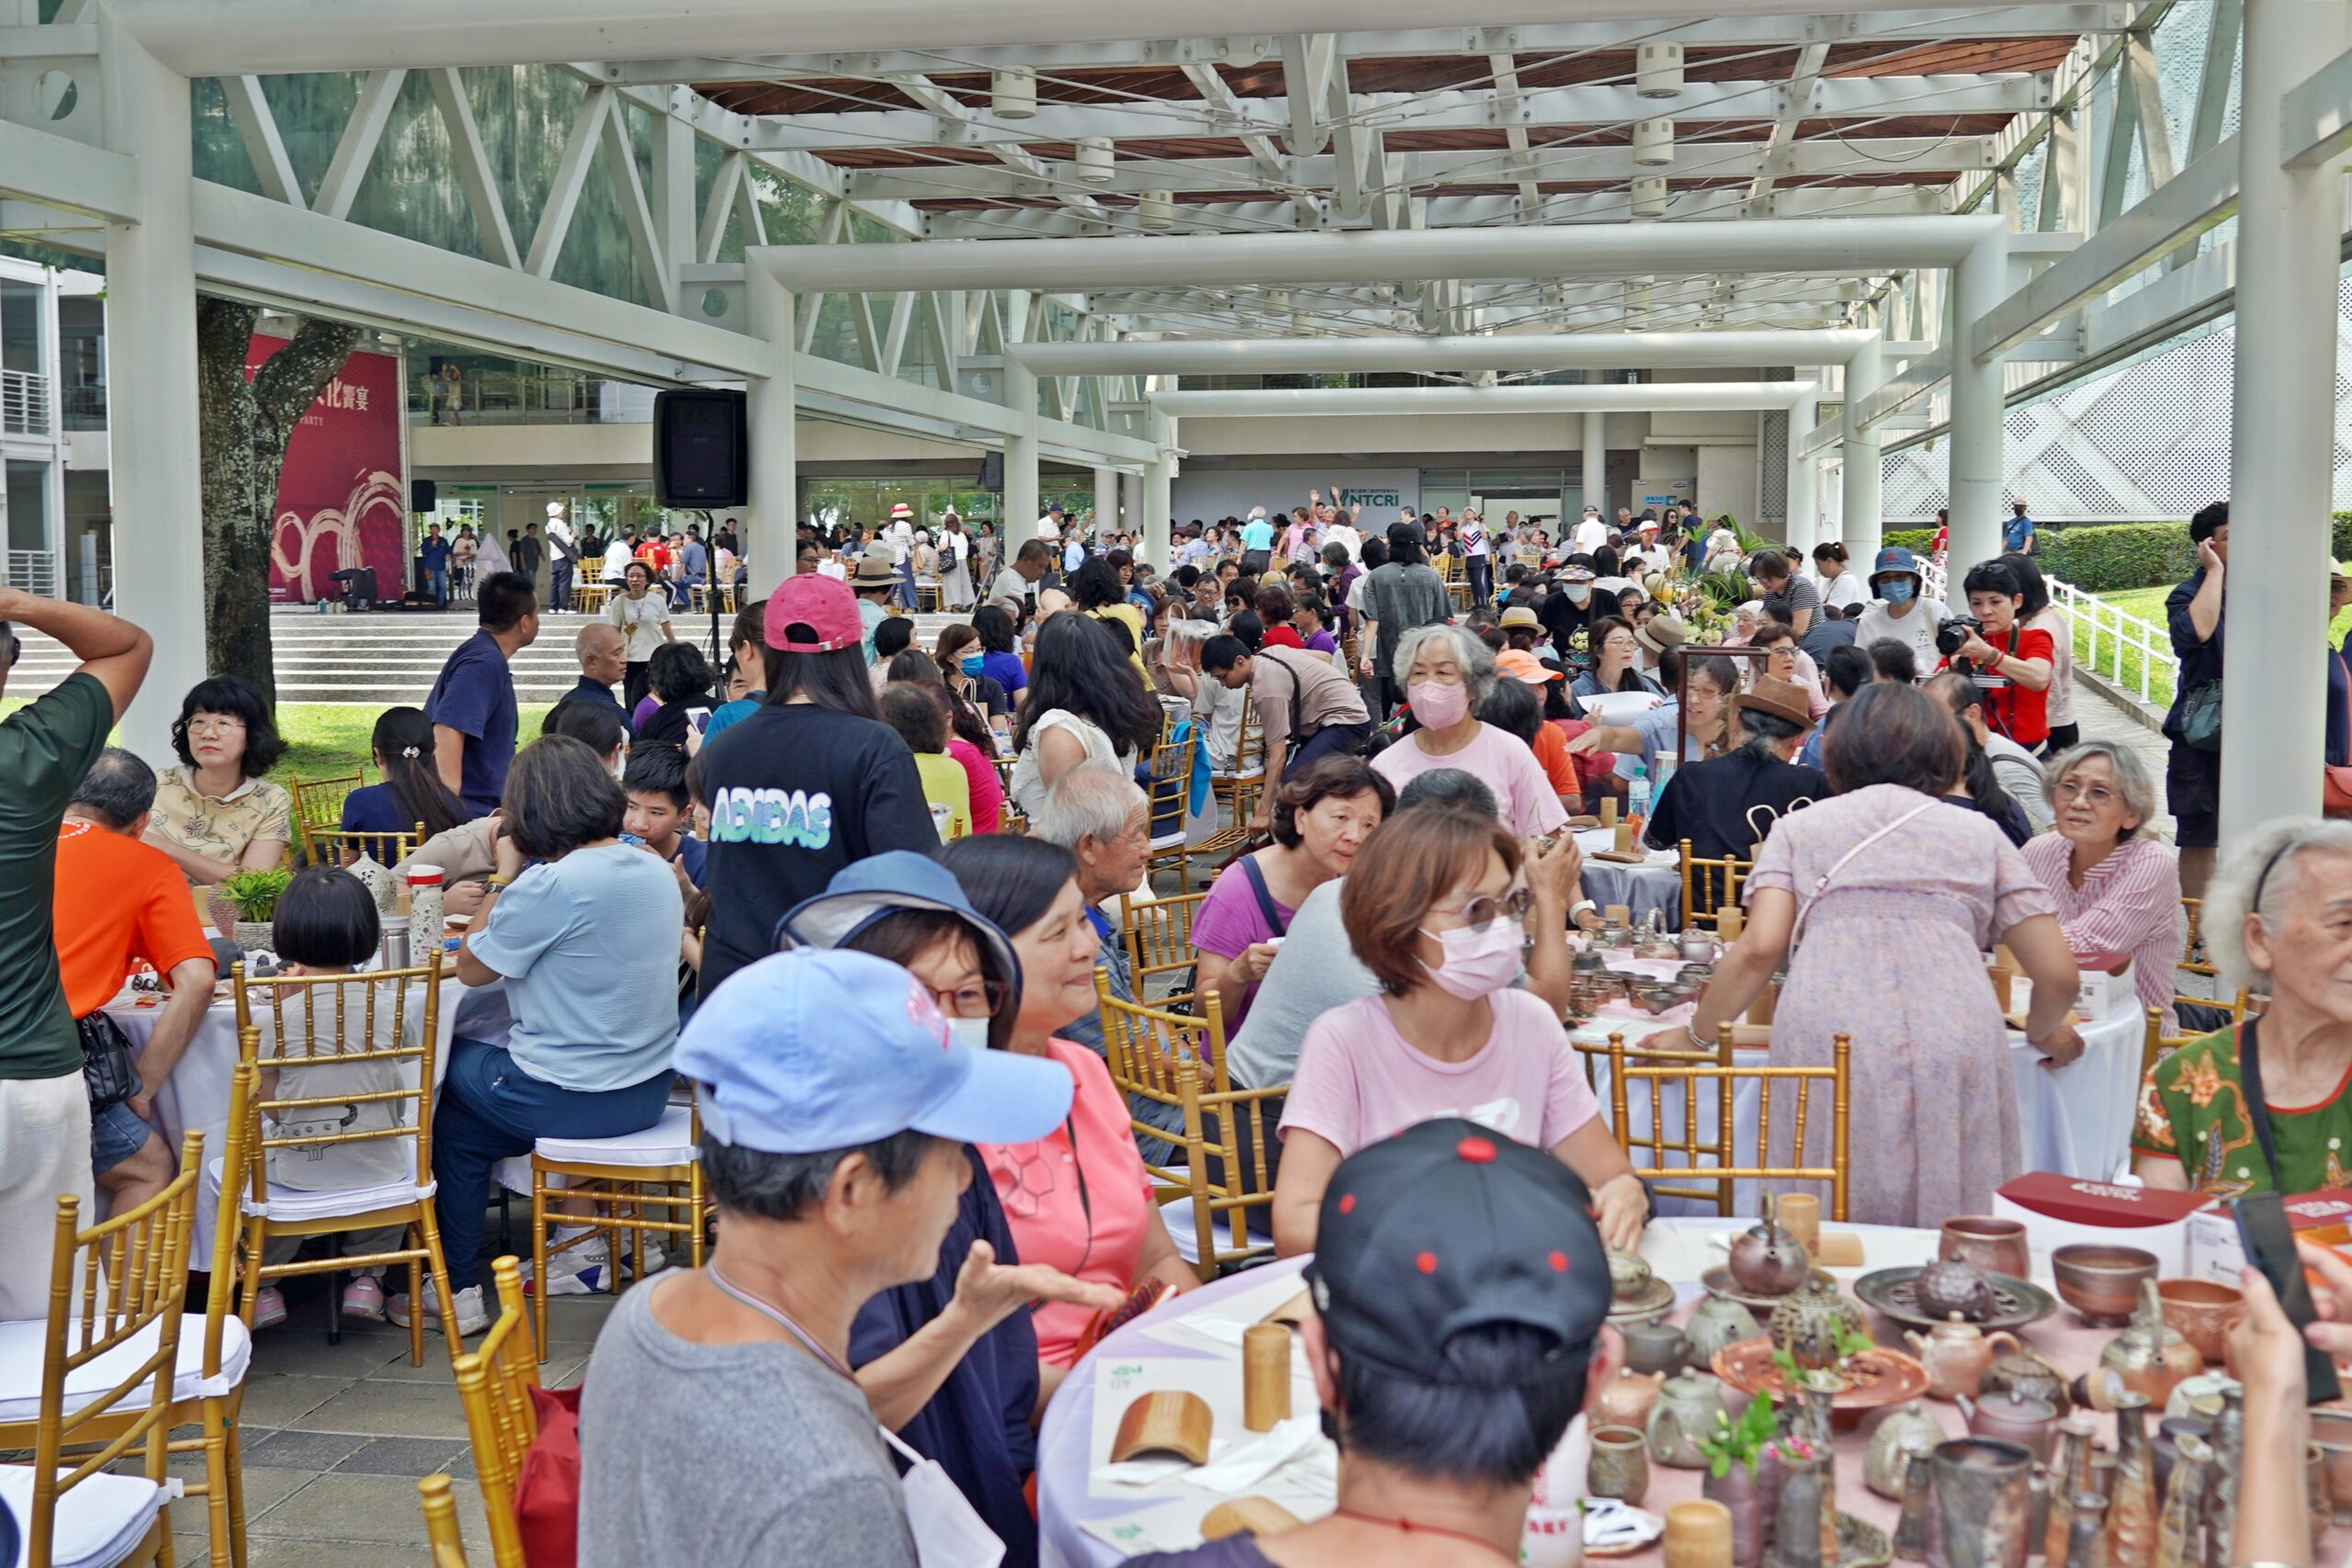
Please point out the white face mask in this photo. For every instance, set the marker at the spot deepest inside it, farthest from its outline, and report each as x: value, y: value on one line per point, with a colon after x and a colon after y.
x: 948, y: 1531
x: 972, y: 1033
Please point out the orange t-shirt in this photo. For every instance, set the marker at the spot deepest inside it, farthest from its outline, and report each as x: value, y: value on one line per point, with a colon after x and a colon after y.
x: 118, y: 899
x: 1551, y: 750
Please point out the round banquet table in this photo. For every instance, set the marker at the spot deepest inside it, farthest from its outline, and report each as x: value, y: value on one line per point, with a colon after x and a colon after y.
x: 196, y: 1094
x: 1654, y: 885
x: 1677, y: 1249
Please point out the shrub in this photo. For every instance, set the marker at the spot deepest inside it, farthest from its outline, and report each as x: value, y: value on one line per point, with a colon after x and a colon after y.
x: 1915, y: 540
x: 2113, y: 558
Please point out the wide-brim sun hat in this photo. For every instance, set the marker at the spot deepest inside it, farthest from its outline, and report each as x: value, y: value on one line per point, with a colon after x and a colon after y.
x: 866, y: 890
x: 1782, y: 699
x: 874, y: 569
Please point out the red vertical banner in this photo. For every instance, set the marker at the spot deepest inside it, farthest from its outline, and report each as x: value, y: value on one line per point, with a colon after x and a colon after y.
x: 342, y: 501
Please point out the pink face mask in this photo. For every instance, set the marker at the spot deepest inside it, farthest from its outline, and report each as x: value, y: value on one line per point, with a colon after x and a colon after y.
x: 1437, y: 705
x: 1479, y: 961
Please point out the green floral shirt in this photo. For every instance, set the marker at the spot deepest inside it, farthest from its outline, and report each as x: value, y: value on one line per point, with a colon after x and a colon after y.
x: 2193, y: 1107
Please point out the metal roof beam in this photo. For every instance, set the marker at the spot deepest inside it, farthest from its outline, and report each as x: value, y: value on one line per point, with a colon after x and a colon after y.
x: 1530, y: 350
x: 1683, y: 397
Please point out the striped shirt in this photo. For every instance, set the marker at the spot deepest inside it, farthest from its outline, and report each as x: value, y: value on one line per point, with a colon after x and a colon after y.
x: 2130, y: 903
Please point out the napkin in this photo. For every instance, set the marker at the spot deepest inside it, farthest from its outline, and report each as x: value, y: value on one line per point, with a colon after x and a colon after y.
x: 1608, y: 1522
x: 1250, y: 1463
x: 1153, y: 1467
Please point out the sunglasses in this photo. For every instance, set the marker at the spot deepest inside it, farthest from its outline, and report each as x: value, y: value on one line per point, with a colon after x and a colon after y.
x: 1484, y: 912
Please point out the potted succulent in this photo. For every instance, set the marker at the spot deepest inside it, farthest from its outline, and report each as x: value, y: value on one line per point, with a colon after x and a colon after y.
x: 1732, y: 1452
x: 254, y: 894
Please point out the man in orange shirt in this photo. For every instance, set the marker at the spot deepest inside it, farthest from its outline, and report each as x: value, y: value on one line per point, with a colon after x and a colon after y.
x: 118, y: 899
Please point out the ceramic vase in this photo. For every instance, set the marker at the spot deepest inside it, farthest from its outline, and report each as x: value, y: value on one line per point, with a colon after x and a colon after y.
x: 1736, y: 1490
x: 1802, y: 1490
x: 1982, y: 1503
x: 2178, y: 1539
x: 2086, y: 1534
x: 1919, y: 1502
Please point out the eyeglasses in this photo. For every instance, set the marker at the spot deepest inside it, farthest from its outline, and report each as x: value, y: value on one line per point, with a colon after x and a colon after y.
x: 215, y: 724
x: 1483, y: 911
x: 977, y: 999
x: 2093, y: 793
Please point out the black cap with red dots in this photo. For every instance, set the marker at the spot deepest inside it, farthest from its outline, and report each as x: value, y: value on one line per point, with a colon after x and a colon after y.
x: 1447, y: 1226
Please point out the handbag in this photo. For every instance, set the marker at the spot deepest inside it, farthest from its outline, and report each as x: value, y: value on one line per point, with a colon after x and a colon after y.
x: 107, y: 1072
x: 2200, y: 718
x: 2335, y: 783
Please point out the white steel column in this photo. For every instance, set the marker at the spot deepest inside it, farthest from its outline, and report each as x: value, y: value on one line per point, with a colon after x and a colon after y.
x: 1131, y: 508
x: 1978, y: 284
x: 1595, y: 481
x: 2279, y: 432
x: 157, y: 474
x: 1106, y: 499
x: 774, y: 524
x: 1020, y: 456
x: 1862, y: 522
x: 1158, y: 478
x: 1805, y: 505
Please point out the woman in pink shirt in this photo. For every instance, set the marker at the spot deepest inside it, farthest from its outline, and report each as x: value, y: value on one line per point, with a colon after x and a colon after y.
x: 1078, y: 1200
x: 2116, y: 890
x: 1433, y: 907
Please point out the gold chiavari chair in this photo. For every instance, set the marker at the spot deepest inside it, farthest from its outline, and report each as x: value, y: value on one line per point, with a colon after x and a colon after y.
x: 1227, y: 1133
x: 347, y: 1045
x: 318, y: 805
x: 111, y: 1347
x: 1235, y: 788
x: 441, y: 1522
x: 590, y: 598
x: 2192, y: 947
x: 629, y: 1185
x: 1159, y: 937
x: 1169, y: 791
x: 495, y: 1384
x: 337, y: 846
x: 1144, y: 1046
x: 1717, y: 1190
x: 2156, y: 1045
x: 1727, y: 1080
x: 1709, y: 885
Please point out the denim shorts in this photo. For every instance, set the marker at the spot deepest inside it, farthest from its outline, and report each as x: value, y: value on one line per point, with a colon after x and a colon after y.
x: 115, y: 1133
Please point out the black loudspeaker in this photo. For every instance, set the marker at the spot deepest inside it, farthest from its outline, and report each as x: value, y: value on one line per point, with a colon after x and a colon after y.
x: 992, y: 471
x: 701, y: 449
x: 423, y: 495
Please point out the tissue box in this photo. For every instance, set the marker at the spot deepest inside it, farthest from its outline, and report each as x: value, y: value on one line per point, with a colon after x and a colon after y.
x: 2063, y: 1210
x: 2104, y: 995
x: 2215, y: 1252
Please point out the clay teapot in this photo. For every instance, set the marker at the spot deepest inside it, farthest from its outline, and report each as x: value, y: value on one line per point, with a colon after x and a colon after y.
x: 2013, y: 1417
x: 2150, y: 1356
x: 1888, y: 1460
x: 1957, y: 1355
x: 1626, y: 1400
x: 1768, y: 1260
x: 1654, y: 1347
x: 1805, y: 1324
x: 1718, y: 1322
x: 2024, y: 1373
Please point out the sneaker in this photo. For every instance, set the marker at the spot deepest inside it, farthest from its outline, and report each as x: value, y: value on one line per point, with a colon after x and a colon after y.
x: 364, y: 1298
x: 472, y: 1317
x: 577, y: 1271
x: 654, y: 1261
x: 270, y: 1307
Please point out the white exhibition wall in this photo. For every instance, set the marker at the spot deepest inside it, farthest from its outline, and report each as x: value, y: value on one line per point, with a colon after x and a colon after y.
x: 1213, y: 491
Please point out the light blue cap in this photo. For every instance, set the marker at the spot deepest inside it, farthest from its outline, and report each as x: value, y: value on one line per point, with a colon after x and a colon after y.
x: 815, y: 1050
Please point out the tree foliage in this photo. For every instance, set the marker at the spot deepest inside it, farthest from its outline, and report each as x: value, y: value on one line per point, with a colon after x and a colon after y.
x: 243, y: 425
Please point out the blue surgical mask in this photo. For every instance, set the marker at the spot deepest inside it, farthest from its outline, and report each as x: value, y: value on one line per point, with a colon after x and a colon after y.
x: 1897, y: 590
x: 972, y: 663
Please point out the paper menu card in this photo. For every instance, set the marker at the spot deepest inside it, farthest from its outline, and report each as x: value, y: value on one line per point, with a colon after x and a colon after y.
x: 1174, y: 1525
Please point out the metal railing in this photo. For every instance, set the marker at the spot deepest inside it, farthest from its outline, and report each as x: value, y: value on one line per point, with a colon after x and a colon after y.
x: 34, y: 572
x: 2128, y: 651
x: 24, y: 404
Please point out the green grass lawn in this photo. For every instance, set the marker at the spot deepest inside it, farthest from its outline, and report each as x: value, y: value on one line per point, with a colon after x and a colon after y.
x: 2148, y: 604
x: 330, y: 739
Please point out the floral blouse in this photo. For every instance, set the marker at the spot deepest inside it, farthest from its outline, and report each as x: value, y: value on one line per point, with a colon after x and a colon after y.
x: 2193, y: 1107
x: 219, y: 829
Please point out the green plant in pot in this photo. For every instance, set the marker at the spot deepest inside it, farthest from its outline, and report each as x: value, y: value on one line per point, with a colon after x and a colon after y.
x: 253, y: 895
x: 1734, y: 1451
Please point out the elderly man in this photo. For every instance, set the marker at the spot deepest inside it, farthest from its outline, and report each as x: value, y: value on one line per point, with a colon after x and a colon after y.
x: 119, y: 899
x: 720, y: 1421
x: 1099, y: 814
x: 603, y: 651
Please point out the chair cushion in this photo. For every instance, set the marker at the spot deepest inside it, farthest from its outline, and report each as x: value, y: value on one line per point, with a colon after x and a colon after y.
x: 667, y: 1142
x: 1174, y: 841
x: 21, y: 1345
x: 294, y: 1203
x: 99, y: 1523
x: 1232, y: 775
x: 1177, y: 1213
x: 515, y: 1174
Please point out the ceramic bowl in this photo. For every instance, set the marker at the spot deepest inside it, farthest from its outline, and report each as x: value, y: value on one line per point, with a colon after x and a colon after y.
x: 1658, y: 999
x: 2332, y: 1435
x: 2101, y: 1282
x: 2203, y: 1312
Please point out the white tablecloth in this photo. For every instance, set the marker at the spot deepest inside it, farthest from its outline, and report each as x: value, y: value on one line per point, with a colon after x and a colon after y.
x: 2075, y: 1119
x: 1657, y: 885
x: 197, y: 1092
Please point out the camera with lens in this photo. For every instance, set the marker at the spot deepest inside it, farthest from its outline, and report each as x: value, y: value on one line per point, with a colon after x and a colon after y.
x: 1953, y: 634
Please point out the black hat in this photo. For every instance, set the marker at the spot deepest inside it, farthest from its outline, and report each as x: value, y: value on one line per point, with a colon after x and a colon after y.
x: 1447, y: 1227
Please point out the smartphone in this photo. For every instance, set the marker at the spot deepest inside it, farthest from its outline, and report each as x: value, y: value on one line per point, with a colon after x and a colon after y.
x: 2269, y: 1242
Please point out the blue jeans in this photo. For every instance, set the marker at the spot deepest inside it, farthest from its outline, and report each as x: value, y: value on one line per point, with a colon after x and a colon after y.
x: 437, y: 584
x: 1332, y: 740
x: 489, y: 1110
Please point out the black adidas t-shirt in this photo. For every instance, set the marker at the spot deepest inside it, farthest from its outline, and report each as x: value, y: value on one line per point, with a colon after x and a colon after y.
x: 797, y: 792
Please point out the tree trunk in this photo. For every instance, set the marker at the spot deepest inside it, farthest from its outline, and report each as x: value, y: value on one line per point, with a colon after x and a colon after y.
x: 245, y: 424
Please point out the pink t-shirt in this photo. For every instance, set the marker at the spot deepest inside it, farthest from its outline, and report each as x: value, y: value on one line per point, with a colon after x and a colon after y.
x: 1503, y: 763
x: 1096, y: 1232
x: 1358, y: 1081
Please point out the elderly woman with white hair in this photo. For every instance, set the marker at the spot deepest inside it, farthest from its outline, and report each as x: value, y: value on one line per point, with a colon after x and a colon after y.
x: 1444, y: 672
x: 2117, y: 889
x: 2260, y: 1106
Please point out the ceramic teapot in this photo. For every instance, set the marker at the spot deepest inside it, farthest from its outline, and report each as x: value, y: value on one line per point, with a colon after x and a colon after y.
x: 1768, y: 1260
x: 1717, y: 1323
x: 1957, y: 1355
x: 1887, y: 1460
x: 1685, y: 1412
x: 1805, y: 1324
x: 2150, y: 1356
x: 1627, y: 1400
x: 2014, y: 1419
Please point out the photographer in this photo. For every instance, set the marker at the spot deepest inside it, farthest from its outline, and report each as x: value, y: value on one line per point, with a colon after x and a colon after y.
x: 1994, y: 646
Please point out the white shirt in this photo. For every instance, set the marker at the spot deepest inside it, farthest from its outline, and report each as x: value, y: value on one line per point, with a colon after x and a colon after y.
x: 1840, y: 590
x: 1048, y: 529
x: 1590, y: 535
x: 900, y: 537
x: 616, y: 560
x: 1917, y: 627
x: 1474, y: 537
x: 1343, y: 533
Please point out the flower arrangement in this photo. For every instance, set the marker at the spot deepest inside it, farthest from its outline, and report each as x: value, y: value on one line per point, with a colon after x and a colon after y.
x: 1740, y: 1442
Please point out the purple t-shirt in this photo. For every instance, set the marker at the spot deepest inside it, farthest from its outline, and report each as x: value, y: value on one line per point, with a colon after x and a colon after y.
x: 1230, y: 921
x: 1358, y: 1081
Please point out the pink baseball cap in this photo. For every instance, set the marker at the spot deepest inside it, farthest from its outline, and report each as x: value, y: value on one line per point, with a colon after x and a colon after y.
x: 823, y: 604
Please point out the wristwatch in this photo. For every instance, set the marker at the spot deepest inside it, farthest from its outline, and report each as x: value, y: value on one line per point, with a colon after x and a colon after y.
x: 495, y: 880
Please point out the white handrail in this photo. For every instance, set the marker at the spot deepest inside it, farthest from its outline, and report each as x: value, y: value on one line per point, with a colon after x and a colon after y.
x: 2103, y: 633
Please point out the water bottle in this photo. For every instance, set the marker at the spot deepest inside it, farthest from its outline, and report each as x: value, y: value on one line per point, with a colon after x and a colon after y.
x: 1637, y: 793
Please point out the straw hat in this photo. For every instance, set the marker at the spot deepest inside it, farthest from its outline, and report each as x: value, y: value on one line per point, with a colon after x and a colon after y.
x: 1782, y: 699
x: 1660, y: 632
x: 874, y: 569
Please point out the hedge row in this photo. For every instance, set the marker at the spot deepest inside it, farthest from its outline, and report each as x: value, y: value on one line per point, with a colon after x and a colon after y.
x: 2123, y: 555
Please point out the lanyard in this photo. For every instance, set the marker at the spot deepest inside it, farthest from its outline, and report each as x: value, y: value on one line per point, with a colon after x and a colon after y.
x: 2257, y: 1107
x: 1085, y: 1202
x: 765, y: 1310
